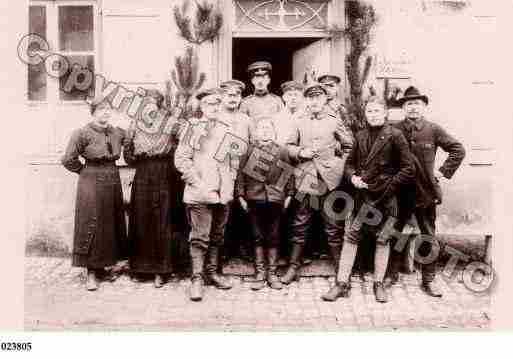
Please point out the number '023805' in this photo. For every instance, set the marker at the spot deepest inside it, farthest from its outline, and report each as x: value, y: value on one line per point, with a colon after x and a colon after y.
x: 12, y: 346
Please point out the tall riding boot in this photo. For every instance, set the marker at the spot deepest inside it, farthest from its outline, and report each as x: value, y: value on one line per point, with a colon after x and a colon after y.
x: 394, y: 268
x: 212, y: 276
x: 197, y: 261
x: 335, y: 255
x: 272, y: 278
x: 295, y: 261
x: 259, y: 282
x: 428, y: 278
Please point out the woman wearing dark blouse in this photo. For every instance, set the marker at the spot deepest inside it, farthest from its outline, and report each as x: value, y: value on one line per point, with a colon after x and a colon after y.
x: 99, y: 217
x: 154, y: 194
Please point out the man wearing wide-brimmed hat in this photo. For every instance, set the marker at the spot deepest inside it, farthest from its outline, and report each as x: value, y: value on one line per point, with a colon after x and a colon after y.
x: 314, y: 147
x: 421, y: 199
x: 261, y: 103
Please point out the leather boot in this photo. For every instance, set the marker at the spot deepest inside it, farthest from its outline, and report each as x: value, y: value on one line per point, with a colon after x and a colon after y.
x: 380, y: 293
x: 92, y: 283
x: 159, y: 281
x: 335, y: 255
x: 394, y: 267
x: 294, y: 263
x: 212, y: 277
x: 340, y: 289
x: 272, y: 278
x: 197, y: 260
x: 259, y: 281
x: 428, y: 278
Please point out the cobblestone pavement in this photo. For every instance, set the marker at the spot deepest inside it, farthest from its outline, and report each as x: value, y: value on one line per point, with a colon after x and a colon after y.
x: 55, y: 299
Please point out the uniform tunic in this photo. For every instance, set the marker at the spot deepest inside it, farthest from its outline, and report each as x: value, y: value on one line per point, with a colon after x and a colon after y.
x: 154, y: 197
x: 257, y: 106
x: 99, y: 217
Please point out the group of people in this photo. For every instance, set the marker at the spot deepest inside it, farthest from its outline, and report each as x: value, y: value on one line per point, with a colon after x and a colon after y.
x: 301, y: 153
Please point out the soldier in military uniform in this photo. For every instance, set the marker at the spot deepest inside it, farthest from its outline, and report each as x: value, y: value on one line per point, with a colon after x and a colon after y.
x: 231, y: 99
x: 292, y: 95
x: 208, y: 190
x: 261, y: 103
x: 424, y: 138
x: 314, y: 147
x: 332, y: 84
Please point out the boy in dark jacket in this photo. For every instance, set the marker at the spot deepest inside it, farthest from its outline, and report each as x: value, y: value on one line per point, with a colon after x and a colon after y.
x: 378, y: 165
x: 263, y: 196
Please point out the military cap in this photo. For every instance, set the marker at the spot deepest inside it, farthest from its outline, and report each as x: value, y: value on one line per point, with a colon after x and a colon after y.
x: 259, y: 68
x: 233, y: 83
x: 291, y: 85
x: 314, y: 89
x: 208, y: 92
x: 328, y: 78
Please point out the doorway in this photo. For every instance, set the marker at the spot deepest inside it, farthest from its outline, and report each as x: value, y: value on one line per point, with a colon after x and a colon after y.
x: 291, y: 58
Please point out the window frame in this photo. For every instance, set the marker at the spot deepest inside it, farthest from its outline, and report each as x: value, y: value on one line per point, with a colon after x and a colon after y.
x: 52, y: 36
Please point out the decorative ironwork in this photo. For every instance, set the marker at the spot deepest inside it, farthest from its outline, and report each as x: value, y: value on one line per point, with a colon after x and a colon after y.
x: 265, y: 13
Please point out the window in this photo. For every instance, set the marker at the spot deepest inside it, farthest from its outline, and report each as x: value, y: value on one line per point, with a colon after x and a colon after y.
x: 69, y: 27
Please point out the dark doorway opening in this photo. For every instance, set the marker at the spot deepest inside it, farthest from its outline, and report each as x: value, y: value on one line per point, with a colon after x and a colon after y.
x: 278, y: 51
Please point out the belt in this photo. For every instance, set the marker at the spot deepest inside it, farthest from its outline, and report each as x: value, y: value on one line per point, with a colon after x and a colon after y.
x: 100, y: 162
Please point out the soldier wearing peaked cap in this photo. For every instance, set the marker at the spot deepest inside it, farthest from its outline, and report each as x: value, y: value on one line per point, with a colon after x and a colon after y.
x: 314, y: 148
x: 421, y: 198
x: 261, y: 103
x: 208, y: 190
x: 292, y: 95
x: 215, y: 92
x: 332, y: 83
x: 233, y: 83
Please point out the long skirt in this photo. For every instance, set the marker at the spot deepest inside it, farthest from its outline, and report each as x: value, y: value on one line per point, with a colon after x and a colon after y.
x: 151, y: 230
x: 99, y: 219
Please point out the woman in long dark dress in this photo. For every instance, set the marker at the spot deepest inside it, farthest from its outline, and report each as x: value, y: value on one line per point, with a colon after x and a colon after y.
x: 99, y: 217
x: 153, y: 197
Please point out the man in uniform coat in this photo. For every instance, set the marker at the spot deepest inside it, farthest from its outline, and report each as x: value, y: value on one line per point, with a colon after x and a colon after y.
x: 208, y: 190
x: 261, y: 103
x: 314, y: 147
x: 380, y: 163
x: 332, y: 85
x: 424, y: 138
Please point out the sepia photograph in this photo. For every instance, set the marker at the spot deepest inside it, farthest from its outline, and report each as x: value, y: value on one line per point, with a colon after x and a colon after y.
x: 258, y: 165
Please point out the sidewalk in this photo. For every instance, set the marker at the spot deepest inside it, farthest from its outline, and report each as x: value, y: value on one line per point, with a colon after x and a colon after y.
x: 55, y: 299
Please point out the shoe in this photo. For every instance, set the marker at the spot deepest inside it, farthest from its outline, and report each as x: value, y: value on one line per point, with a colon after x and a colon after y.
x: 259, y: 282
x: 92, y: 283
x: 380, y: 293
x: 337, y: 291
x: 196, y: 289
x: 295, y: 260
x: 431, y: 289
x: 218, y: 281
x: 158, y: 282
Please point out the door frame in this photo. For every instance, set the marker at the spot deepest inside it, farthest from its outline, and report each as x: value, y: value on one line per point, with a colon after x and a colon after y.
x: 223, y: 43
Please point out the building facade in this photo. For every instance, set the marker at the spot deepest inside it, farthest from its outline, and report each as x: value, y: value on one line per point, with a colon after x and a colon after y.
x: 133, y: 43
